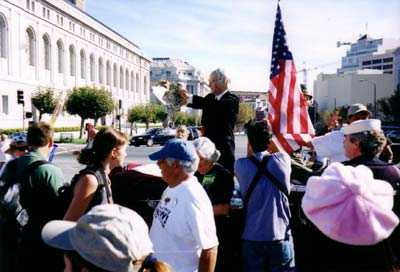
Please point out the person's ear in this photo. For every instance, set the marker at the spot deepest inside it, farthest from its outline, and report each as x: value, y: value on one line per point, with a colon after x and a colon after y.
x: 176, y: 164
x: 50, y: 143
x: 114, y: 153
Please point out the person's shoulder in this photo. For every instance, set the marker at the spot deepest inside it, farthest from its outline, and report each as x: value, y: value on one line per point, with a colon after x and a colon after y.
x: 192, y: 189
x: 220, y: 169
x: 241, y: 165
x: 229, y: 96
x: 281, y: 157
x: 49, y: 169
x: 241, y: 162
x: 208, y: 96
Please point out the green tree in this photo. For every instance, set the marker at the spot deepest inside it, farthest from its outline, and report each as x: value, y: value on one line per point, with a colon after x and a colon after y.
x: 181, y: 118
x: 246, y: 113
x: 44, y: 100
x: 149, y: 113
x: 390, y: 106
x: 89, y: 103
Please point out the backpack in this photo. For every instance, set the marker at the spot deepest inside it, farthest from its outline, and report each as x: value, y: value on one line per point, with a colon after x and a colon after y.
x: 102, y: 194
x: 10, y: 206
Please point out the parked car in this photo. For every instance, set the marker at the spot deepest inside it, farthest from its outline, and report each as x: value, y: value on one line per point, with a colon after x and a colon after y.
x: 394, y: 136
x: 153, y: 136
x: 194, y: 133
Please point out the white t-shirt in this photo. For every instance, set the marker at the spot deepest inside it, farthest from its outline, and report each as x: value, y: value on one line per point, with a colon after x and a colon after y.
x: 330, y: 146
x: 183, y: 225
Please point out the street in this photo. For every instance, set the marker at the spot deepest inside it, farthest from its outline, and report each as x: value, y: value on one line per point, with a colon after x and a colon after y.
x: 69, y: 165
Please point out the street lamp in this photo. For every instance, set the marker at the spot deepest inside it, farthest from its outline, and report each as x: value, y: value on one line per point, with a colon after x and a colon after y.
x: 366, y: 80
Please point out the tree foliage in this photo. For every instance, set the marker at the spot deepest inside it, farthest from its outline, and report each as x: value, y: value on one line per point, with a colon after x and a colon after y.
x: 89, y: 103
x: 183, y: 118
x: 390, y: 106
x: 44, y: 100
x: 149, y: 113
x: 246, y: 113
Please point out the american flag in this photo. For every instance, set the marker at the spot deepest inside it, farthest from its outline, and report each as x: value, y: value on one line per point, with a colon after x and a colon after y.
x: 287, y: 107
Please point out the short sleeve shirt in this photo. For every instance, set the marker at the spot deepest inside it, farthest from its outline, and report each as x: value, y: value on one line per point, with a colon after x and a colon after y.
x: 218, y: 183
x: 183, y: 225
x: 268, y: 212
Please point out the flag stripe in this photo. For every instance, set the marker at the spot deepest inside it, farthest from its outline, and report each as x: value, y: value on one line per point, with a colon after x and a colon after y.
x: 287, y: 107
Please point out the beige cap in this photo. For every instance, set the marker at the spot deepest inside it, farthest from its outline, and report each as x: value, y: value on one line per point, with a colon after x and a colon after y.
x: 356, y: 108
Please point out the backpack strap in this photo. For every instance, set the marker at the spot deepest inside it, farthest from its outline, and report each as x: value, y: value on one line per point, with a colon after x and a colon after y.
x: 255, y: 179
x: 28, y: 170
x: 101, y: 180
x: 269, y: 176
x: 32, y: 167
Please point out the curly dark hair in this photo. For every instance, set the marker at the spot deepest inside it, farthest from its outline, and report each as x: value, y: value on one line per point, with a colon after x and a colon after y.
x: 371, y: 143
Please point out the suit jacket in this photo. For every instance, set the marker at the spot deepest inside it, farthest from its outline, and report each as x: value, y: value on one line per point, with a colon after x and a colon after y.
x: 218, y: 119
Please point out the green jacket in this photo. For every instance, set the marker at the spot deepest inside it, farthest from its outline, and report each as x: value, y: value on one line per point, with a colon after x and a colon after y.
x: 39, y: 193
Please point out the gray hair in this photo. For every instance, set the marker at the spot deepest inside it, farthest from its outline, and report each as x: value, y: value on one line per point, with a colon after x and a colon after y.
x: 189, y: 167
x: 220, y: 76
x: 206, y: 149
x: 371, y: 143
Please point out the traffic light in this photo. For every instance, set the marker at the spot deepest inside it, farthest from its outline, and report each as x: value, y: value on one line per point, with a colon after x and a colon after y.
x: 20, y: 97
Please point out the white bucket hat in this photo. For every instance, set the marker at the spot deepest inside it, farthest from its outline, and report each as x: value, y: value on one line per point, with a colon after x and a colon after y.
x: 109, y: 236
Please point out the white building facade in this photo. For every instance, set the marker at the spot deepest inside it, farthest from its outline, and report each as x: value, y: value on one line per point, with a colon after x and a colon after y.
x: 336, y: 90
x: 364, y: 47
x: 56, y: 44
x: 388, y: 62
x: 178, y: 71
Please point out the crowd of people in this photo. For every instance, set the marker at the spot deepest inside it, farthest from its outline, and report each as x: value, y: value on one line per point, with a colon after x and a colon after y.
x: 84, y: 225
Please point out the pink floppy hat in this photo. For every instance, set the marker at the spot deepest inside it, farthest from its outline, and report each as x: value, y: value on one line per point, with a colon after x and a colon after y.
x: 348, y: 205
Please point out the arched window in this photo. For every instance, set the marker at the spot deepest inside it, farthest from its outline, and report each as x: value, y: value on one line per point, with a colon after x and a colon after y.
x: 3, y: 37
x: 60, y: 56
x: 137, y: 82
x: 72, y: 60
x: 121, y: 78
x: 127, y: 80
x: 132, y: 81
x: 108, y: 73
x: 101, y: 71
x: 145, y: 85
x: 31, y: 46
x: 46, y: 52
x: 83, y: 64
x: 115, y: 75
x: 92, y: 68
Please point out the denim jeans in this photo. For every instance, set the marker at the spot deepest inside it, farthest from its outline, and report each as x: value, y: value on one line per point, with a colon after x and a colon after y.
x: 274, y: 256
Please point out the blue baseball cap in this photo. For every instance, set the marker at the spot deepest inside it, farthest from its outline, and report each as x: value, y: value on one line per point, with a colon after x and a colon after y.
x: 176, y: 149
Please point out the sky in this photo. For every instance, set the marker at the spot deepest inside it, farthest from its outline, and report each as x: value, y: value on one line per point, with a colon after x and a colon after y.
x: 236, y: 35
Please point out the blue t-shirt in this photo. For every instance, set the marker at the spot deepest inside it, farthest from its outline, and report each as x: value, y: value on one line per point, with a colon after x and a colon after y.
x: 268, y: 211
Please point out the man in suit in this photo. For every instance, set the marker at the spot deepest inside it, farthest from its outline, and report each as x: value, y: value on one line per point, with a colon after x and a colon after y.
x: 220, y: 109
